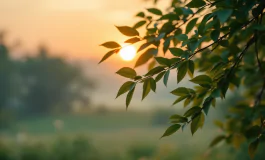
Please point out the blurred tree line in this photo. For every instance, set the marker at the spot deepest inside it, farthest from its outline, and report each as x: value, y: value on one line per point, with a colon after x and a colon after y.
x: 39, y: 85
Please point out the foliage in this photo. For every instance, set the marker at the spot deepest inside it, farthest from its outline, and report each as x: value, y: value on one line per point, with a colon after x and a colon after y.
x: 219, y: 44
x: 40, y: 84
x: 141, y: 151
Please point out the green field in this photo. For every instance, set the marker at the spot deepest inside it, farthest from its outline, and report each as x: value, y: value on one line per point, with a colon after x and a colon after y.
x: 116, y: 133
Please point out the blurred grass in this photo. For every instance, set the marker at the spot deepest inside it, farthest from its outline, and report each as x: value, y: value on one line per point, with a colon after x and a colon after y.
x: 114, y: 132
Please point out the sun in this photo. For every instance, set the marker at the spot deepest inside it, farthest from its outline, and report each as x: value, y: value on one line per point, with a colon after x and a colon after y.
x: 127, y: 53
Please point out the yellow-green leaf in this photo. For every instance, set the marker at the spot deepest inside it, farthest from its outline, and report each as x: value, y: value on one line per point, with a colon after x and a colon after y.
x: 252, y: 148
x: 197, y: 122
x: 182, y: 70
x: 155, y: 11
x: 107, y: 55
x: 111, y: 44
x: 172, y: 129
x: 128, y: 31
x: 125, y: 88
x: 127, y: 72
x: 132, y: 40
x: 146, y: 88
x: 217, y: 140
x: 129, y: 97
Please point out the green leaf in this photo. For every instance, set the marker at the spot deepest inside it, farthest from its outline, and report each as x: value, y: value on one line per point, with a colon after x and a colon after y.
x: 132, y: 40
x: 140, y: 14
x: 153, y: 84
x: 155, y: 11
x: 192, y: 111
x: 179, y: 99
x: 178, y: 119
x: 127, y: 72
x: 202, y: 80
x: 196, y: 4
x: 147, y: 55
x: 207, y: 104
x: 159, y: 76
x: 166, y: 77
x: 252, y: 148
x: 182, y: 37
x: 129, y: 97
x: 143, y: 46
x: 182, y: 70
x: 181, y: 91
x: 172, y: 129
x: 191, y: 25
x: 196, y: 123
x: 163, y: 61
x: 155, y: 70
x: 224, y: 43
x: 223, y: 84
x: 253, y: 132
x: 166, y: 45
x: 176, y: 52
x: 125, y: 88
x: 217, y: 140
x: 128, y: 31
x: 191, y: 67
x: 139, y: 24
x: 111, y: 44
x: 107, y: 55
x: 193, y: 44
x: 146, y: 88
x: 224, y: 14
x: 215, y: 35
x: 170, y: 17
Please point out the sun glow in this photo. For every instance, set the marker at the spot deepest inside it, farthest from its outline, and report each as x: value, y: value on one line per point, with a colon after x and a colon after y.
x: 128, y: 53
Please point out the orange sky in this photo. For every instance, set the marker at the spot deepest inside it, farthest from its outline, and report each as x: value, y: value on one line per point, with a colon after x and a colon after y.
x: 72, y: 27
x: 75, y: 29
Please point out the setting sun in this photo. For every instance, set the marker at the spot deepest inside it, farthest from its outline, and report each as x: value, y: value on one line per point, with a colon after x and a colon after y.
x: 128, y: 53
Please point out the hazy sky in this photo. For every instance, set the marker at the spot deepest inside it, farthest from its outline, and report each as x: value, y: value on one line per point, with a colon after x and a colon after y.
x: 74, y: 29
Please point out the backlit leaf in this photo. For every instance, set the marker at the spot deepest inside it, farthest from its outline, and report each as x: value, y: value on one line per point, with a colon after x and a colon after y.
x: 224, y: 14
x: 147, y: 55
x: 172, y: 129
x: 153, y: 84
x: 217, y: 140
x: 196, y: 4
x: 125, y: 88
x: 127, y: 72
x: 215, y: 35
x: 128, y: 31
x: 129, y: 97
x: 140, y: 14
x: 176, y: 52
x: 154, y: 11
x: 107, y: 55
x: 132, y: 40
x: 192, y: 111
x: 252, y: 148
x: 181, y: 91
x: 111, y: 44
x: 202, y: 80
x: 197, y: 122
x: 166, y: 77
x: 146, y: 88
x: 163, y: 61
x: 139, y: 24
x: 191, y: 25
x: 182, y: 70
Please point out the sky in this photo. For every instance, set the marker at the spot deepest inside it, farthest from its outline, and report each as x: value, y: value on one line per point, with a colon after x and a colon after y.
x: 74, y: 29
